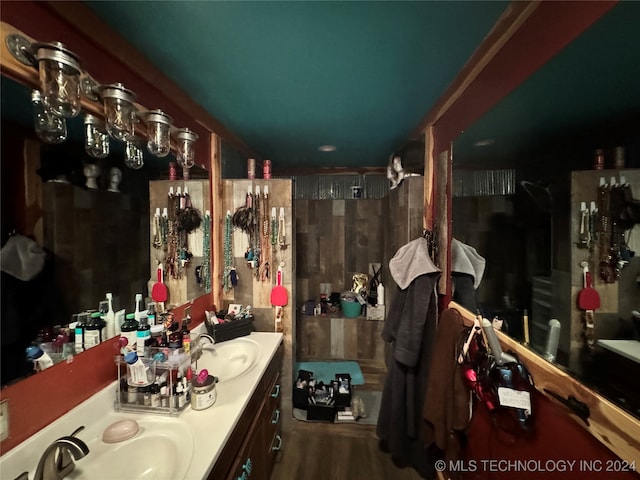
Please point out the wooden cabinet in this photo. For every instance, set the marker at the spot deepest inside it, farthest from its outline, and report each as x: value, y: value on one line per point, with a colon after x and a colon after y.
x: 251, y: 449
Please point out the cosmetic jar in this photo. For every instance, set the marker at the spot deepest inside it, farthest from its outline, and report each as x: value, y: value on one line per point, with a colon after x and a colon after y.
x: 203, y: 395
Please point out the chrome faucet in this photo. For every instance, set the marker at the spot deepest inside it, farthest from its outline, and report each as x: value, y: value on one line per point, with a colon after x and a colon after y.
x: 196, y: 349
x: 56, y: 462
x: 203, y: 336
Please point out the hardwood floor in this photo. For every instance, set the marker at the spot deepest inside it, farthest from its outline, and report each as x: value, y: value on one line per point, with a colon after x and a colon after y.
x: 328, y: 451
x: 318, y: 451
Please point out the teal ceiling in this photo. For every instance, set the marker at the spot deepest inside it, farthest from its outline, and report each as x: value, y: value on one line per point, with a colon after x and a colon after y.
x: 288, y: 77
x: 590, y: 86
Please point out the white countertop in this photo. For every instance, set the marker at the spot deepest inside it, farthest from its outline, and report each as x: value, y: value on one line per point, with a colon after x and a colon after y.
x: 210, y: 429
x: 627, y: 348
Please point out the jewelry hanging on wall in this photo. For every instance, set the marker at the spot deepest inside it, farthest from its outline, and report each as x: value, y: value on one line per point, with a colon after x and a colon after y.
x: 205, y: 272
x: 171, y: 265
x: 255, y: 232
x: 265, y: 244
x: 228, y: 252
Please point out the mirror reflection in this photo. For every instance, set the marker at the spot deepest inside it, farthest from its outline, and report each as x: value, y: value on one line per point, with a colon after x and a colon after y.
x: 541, y: 184
x: 74, y: 228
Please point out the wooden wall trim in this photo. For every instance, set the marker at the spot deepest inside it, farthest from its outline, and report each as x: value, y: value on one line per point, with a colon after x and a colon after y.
x: 508, y: 23
x: 429, y: 178
x: 524, y: 38
x: 612, y: 426
x: 217, y: 220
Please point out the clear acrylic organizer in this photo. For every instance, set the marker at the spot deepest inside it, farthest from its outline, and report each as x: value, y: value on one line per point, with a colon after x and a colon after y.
x: 165, y: 392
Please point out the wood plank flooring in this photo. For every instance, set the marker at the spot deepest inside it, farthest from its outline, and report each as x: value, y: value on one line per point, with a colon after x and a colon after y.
x: 317, y: 451
x: 327, y: 451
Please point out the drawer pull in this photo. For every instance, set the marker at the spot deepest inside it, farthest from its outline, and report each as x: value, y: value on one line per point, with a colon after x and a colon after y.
x: 277, y: 392
x: 247, y: 469
x: 274, y: 448
x: 276, y: 416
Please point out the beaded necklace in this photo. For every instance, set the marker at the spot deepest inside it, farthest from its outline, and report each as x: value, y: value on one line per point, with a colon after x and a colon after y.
x: 228, y: 255
x: 206, y: 253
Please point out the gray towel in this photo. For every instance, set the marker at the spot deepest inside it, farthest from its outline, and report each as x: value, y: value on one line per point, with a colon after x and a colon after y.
x: 465, y: 259
x: 22, y: 258
x: 411, y: 261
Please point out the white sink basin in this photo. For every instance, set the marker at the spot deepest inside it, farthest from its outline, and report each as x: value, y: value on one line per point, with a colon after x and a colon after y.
x: 162, y: 449
x: 229, y: 360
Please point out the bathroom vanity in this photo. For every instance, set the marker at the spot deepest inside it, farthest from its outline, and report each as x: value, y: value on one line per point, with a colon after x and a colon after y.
x: 239, y: 433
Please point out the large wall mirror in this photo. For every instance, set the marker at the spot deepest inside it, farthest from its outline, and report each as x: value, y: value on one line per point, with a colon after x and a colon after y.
x: 96, y: 237
x: 524, y: 180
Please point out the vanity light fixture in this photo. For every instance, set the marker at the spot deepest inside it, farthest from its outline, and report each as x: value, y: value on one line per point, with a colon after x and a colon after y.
x: 62, y: 84
x: 96, y: 140
x: 119, y: 110
x: 59, y: 71
x: 185, y: 140
x: 158, y: 132
x: 133, y: 154
x: 49, y: 127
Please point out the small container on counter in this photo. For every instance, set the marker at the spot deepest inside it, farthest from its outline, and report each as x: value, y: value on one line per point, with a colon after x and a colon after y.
x: 203, y: 392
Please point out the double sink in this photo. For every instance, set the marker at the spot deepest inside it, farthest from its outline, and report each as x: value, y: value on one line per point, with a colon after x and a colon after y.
x: 161, y: 447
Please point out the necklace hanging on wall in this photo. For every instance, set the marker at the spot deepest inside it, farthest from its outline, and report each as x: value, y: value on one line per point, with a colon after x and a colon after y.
x: 265, y: 244
x: 205, y: 272
x: 228, y: 253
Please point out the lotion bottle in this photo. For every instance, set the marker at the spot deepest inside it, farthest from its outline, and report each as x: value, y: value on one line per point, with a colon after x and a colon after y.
x: 380, y: 292
x: 110, y: 318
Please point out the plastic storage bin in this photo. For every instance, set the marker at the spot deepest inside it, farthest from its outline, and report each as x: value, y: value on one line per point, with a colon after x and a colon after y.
x: 350, y: 309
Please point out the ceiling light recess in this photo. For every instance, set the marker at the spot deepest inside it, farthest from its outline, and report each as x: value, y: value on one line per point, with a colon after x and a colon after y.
x: 327, y: 148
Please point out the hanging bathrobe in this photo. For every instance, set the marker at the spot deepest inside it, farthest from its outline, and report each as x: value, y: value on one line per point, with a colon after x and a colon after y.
x: 410, y: 329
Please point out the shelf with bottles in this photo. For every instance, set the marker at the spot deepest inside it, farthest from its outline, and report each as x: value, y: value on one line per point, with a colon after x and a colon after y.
x: 157, y: 381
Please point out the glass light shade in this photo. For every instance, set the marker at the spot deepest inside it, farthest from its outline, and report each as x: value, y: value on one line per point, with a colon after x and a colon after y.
x: 96, y: 140
x: 59, y: 71
x: 185, y: 141
x: 49, y: 127
x: 119, y: 110
x: 158, y: 132
x: 133, y: 155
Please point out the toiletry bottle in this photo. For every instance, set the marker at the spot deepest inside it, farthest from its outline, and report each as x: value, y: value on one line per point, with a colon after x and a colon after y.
x: 155, y: 395
x: 180, y: 395
x: 138, y: 309
x: 156, y: 335
x: 93, y: 331
x: 151, y: 313
x: 143, y: 335
x: 120, y: 317
x: 110, y: 318
x: 129, y: 330
x: 138, y: 373
x: 175, y: 339
x: 79, y: 332
x: 41, y: 360
x: 380, y: 293
x: 186, y: 336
